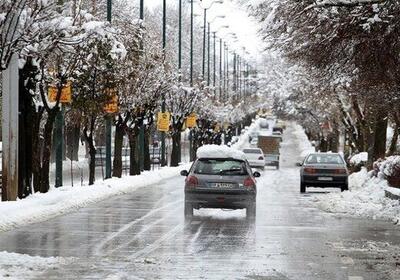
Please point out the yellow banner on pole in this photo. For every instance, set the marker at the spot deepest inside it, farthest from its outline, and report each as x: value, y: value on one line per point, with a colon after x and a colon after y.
x: 112, y: 106
x: 66, y: 93
x: 163, y: 121
x: 191, y: 120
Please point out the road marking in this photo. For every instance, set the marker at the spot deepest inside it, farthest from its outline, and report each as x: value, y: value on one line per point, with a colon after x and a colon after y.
x: 156, y: 244
x: 356, y: 278
x: 127, y: 226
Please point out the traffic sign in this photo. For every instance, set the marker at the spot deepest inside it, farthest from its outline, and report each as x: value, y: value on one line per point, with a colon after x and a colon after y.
x: 163, y: 121
x: 66, y: 93
x: 191, y: 120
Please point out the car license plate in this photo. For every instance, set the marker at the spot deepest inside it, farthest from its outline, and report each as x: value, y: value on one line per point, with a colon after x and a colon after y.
x: 223, y: 185
x: 325, y: 178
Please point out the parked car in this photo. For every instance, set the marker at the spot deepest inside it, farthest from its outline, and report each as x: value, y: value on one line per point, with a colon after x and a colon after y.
x: 220, y: 180
x: 323, y: 170
x: 255, y: 157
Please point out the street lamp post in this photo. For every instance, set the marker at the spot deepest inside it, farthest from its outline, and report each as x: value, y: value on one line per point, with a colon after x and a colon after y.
x: 214, y: 58
x: 191, y: 43
x: 220, y: 68
x: 164, y: 41
x: 205, y: 8
x: 141, y: 137
x: 208, y: 54
x: 108, y: 117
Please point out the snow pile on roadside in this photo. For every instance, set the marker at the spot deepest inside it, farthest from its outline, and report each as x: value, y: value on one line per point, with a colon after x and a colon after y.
x: 366, y: 198
x: 302, y: 140
x: 359, y: 158
x: 20, y: 266
x: 217, y: 151
x: 43, y: 206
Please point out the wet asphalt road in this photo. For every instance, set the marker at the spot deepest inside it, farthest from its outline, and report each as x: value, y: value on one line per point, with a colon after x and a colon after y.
x: 145, y: 236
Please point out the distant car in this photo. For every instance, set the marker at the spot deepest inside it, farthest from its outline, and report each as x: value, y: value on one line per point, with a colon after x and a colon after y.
x: 323, y: 170
x: 255, y: 157
x: 220, y: 180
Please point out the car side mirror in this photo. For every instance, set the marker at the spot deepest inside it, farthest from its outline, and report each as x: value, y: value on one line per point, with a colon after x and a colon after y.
x: 184, y: 173
x: 256, y: 174
x: 299, y: 164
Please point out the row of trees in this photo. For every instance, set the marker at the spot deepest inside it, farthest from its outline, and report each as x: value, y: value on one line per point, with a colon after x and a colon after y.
x: 68, y: 42
x: 340, y: 62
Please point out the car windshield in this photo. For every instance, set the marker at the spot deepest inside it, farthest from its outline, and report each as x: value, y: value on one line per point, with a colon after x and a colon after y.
x: 252, y: 151
x: 220, y: 167
x: 324, y: 159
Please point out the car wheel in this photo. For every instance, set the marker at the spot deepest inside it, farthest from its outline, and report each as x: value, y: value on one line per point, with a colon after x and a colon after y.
x: 251, y: 211
x: 188, y: 209
x: 344, y: 188
x: 277, y: 167
x: 302, y: 187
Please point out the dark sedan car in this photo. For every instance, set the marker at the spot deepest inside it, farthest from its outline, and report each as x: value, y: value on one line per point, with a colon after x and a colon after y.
x: 220, y: 183
x: 324, y: 170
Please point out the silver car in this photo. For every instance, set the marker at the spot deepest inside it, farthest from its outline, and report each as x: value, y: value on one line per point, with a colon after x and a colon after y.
x: 324, y: 170
x: 220, y: 183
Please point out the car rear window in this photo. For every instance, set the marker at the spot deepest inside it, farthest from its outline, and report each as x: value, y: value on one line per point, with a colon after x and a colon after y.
x: 324, y: 159
x: 252, y: 151
x: 220, y: 167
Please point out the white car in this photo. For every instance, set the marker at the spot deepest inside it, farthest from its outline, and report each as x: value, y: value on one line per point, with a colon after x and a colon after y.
x: 255, y: 157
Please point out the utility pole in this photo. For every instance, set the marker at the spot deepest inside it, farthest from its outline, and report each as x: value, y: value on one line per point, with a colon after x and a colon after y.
x: 220, y: 69
x: 164, y: 42
x: 58, y: 135
x: 191, y: 42
x: 204, y: 43
x: 214, y: 58
x: 208, y: 54
x: 108, y: 117
x: 141, y: 141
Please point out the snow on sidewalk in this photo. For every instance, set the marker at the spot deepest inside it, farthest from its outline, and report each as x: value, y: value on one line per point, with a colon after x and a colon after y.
x: 43, y: 206
x: 19, y: 266
x: 366, y: 195
x: 365, y: 198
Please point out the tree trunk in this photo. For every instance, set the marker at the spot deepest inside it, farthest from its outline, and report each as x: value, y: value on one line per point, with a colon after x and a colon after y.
x: 396, y: 132
x: 176, y: 147
x: 380, y: 136
x: 92, y: 162
x: 72, y: 144
x: 47, y: 141
x: 27, y: 83
x: 119, y: 139
x: 147, y: 160
x: 134, y: 168
x: 37, y: 145
x: 393, y: 143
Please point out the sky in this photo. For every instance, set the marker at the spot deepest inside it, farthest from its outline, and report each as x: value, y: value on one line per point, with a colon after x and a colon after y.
x: 238, y: 20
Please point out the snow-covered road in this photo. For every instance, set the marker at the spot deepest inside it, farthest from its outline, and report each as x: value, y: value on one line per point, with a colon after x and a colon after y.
x: 143, y: 235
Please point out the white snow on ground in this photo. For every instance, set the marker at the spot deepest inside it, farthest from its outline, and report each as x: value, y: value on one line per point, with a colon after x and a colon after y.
x: 43, y: 206
x: 217, y: 151
x: 15, y: 266
x: 366, y: 195
x: 365, y: 198
x: 305, y: 146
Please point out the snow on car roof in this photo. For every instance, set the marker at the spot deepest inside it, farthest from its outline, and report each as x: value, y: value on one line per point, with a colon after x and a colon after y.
x: 217, y: 151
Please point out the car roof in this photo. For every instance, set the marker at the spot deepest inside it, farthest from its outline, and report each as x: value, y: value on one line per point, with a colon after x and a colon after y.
x: 324, y: 153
